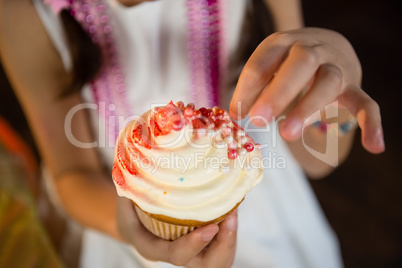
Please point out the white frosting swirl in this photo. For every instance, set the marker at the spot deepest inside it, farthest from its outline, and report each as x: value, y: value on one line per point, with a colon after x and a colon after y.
x: 182, y: 175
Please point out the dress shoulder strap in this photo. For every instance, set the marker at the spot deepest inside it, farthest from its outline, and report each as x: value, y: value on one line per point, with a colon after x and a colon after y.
x: 55, y: 30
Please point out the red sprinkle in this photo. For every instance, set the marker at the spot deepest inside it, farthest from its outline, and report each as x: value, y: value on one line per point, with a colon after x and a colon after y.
x: 197, y: 114
x: 249, y: 146
x: 220, y: 124
x: 177, y: 125
x: 202, y: 110
x: 180, y: 105
x: 207, y: 113
x: 232, y: 154
x: 191, y: 106
x: 219, y: 116
x: 188, y: 112
x: 197, y: 123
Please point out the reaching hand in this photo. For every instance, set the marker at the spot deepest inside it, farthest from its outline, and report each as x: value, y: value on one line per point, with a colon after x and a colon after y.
x: 286, y: 63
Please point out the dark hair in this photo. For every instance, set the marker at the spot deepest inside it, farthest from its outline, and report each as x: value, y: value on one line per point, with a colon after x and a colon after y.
x: 87, y: 57
x: 257, y: 25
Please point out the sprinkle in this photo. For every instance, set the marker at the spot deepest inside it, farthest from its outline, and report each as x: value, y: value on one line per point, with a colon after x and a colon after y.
x: 202, y: 110
x: 181, y: 179
x: 232, y: 154
x: 188, y: 112
x: 242, y: 140
x: 164, y: 192
x: 221, y: 124
x: 191, y: 106
x: 219, y: 116
x: 249, y: 146
x: 197, y: 114
x: 232, y: 145
x: 317, y: 124
x: 240, y: 133
x: 208, y: 113
x: 242, y: 151
x: 180, y: 105
x: 177, y: 125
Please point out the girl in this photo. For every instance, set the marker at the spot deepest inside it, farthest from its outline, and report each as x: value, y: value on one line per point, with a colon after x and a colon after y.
x: 123, y: 55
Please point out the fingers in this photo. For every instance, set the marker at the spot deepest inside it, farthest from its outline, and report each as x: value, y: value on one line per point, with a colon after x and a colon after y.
x: 194, y: 249
x: 294, y: 74
x: 221, y: 251
x: 368, y: 116
x: 256, y: 74
x: 181, y: 251
x: 178, y: 252
x: 285, y: 63
x: 326, y: 87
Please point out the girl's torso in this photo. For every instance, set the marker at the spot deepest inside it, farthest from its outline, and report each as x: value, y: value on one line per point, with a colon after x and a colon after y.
x: 280, y: 222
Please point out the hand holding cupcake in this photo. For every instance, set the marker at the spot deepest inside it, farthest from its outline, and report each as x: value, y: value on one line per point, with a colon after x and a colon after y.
x: 184, y: 167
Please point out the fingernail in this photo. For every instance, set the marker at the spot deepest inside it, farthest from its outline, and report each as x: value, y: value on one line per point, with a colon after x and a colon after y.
x: 291, y: 128
x: 380, y: 139
x: 208, y: 234
x: 234, y: 115
x: 232, y: 222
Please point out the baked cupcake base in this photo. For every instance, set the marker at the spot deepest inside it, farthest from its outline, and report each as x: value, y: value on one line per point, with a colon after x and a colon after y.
x: 170, y: 228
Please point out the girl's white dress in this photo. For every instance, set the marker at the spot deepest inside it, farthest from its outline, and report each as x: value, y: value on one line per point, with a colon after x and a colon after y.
x: 280, y: 221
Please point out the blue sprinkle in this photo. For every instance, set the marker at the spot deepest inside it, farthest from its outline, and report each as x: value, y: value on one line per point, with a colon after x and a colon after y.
x: 317, y: 124
x: 181, y: 179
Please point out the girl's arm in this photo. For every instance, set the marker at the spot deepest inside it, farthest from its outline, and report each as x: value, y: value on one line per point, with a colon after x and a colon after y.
x: 286, y: 14
x: 37, y: 74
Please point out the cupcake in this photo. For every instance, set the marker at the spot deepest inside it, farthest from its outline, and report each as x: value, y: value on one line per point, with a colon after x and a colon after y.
x: 184, y: 168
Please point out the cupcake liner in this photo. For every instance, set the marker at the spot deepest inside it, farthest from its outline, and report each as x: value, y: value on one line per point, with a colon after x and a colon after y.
x: 162, y: 229
x: 170, y: 231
